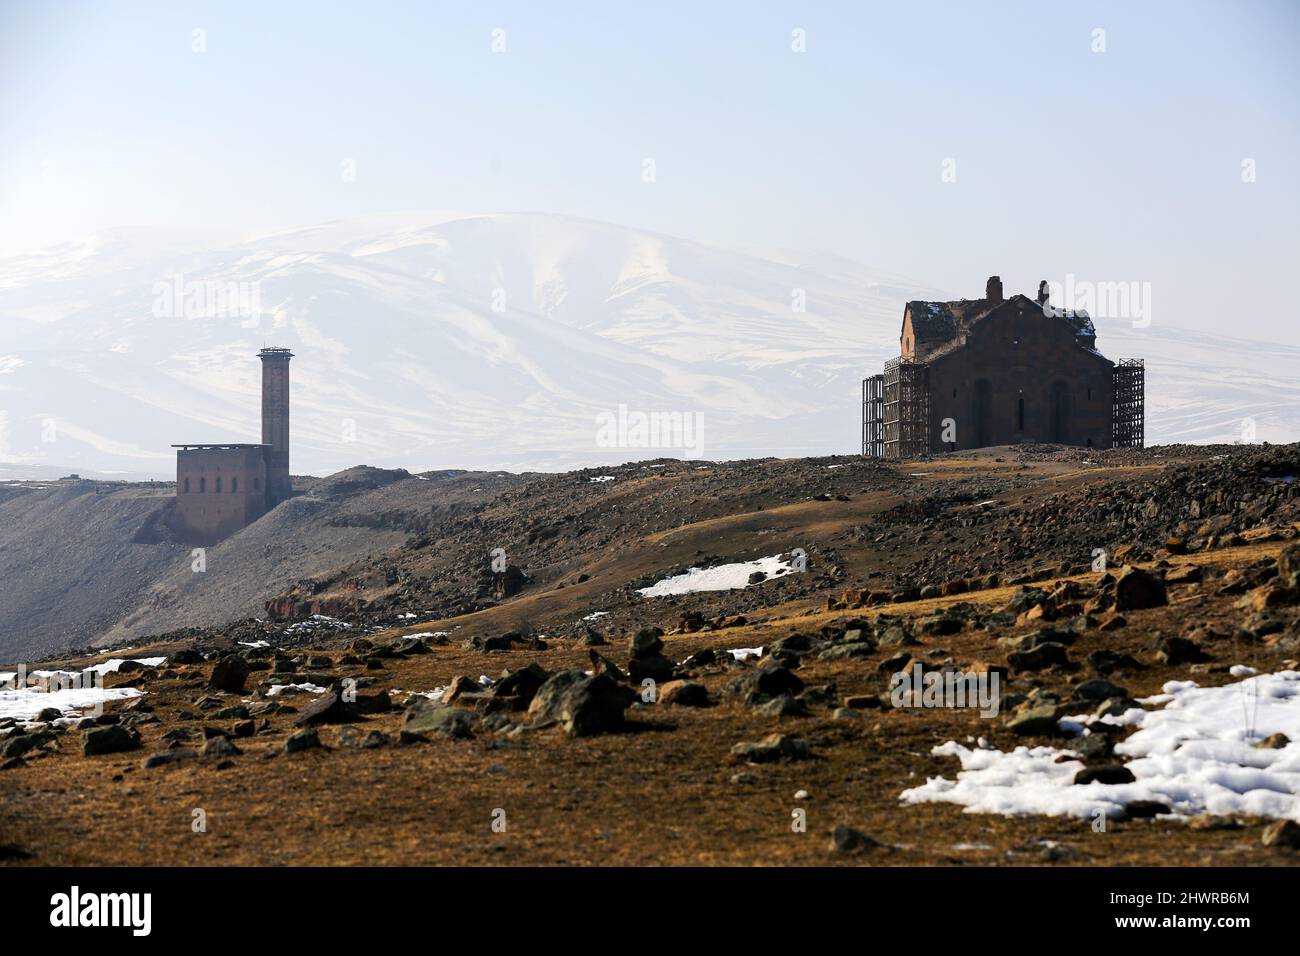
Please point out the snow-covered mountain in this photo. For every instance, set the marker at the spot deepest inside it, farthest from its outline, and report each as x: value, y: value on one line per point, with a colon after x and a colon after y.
x: 500, y: 341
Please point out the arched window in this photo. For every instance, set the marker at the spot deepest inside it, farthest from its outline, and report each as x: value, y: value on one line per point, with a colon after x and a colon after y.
x: 187, y: 486
x: 203, y: 486
x: 234, y: 486
x: 218, y: 484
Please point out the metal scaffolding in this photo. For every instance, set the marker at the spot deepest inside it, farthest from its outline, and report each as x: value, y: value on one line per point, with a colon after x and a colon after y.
x: 905, y: 403
x: 873, y: 416
x: 1128, y: 404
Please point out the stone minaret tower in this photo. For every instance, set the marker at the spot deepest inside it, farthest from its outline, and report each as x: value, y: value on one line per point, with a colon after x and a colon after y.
x: 275, y: 423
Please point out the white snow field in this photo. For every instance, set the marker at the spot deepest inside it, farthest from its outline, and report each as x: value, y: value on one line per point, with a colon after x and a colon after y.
x: 494, y: 341
x: 1195, y: 755
x: 722, y: 577
x: 70, y: 691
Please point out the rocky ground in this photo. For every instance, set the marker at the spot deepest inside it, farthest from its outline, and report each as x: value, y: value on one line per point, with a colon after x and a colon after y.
x: 509, y: 720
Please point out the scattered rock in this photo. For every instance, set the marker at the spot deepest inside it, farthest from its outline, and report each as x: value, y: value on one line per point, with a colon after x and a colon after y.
x: 1049, y: 654
x: 168, y: 757
x: 845, y: 839
x: 1282, y: 833
x: 1092, y: 747
x: 1137, y: 589
x: 1145, y: 809
x: 230, y: 674
x: 772, y: 748
x: 847, y: 651
x: 582, y: 705
x: 682, y: 693
x: 1180, y: 650
x: 1107, y: 775
x: 110, y: 740
x: 783, y: 705
x: 328, y: 708
x: 764, y: 682
x: 645, y: 643
x: 220, y: 747
x: 307, y: 739
x: 519, y: 687
x: 425, y: 716
x: 1040, y: 721
x: 1097, y: 689
x: 654, y: 667
x: 1107, y: 662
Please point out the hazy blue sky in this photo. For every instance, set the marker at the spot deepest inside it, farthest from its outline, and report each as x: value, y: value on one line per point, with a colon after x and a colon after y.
x: 1122, y: 165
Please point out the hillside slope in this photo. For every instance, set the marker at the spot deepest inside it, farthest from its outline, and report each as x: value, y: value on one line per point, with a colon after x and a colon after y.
x: 90, y: 562
x: 1159, y: 694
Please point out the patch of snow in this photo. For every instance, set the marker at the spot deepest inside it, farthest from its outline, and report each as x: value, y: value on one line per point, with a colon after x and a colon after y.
x: 25, y: 703
x: 278, y: 689
x: 596, y: 615
x: 722, y: 577
x: 602, y: 478
x: 744, y: 653
x: 72, y: 692
x: 1196, y: 756
x: 318, y: 621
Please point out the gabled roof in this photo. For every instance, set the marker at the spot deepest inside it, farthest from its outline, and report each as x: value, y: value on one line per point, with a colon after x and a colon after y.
x: 940, y: 327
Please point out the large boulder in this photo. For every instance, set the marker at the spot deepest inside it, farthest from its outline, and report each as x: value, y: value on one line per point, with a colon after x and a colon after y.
x: 1137, y: 589
x: 110, y: 740
x: 763, y: 683
x: 682, y: 693
x: 582, y: 705
x: 425, y: 716
x: 329, y: 708
x: 518, y: 688
x: 645, y: 643
x: 655, y: 667
x: 230, y: 674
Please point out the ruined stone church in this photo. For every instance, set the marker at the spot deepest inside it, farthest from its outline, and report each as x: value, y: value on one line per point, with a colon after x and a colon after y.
x: 1000, y: 371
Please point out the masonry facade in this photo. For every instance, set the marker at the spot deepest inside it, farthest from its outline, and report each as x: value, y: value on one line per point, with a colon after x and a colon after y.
x: 223, y: 487
x: 995, y: 371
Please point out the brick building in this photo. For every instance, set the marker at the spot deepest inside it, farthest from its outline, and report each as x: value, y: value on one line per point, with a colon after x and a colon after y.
x: 997, y: 371
x: 221, y: 488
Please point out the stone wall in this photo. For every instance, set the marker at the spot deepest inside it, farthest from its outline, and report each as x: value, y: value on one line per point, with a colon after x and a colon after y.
x: 1014, y: 356
x: 218, y: 491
